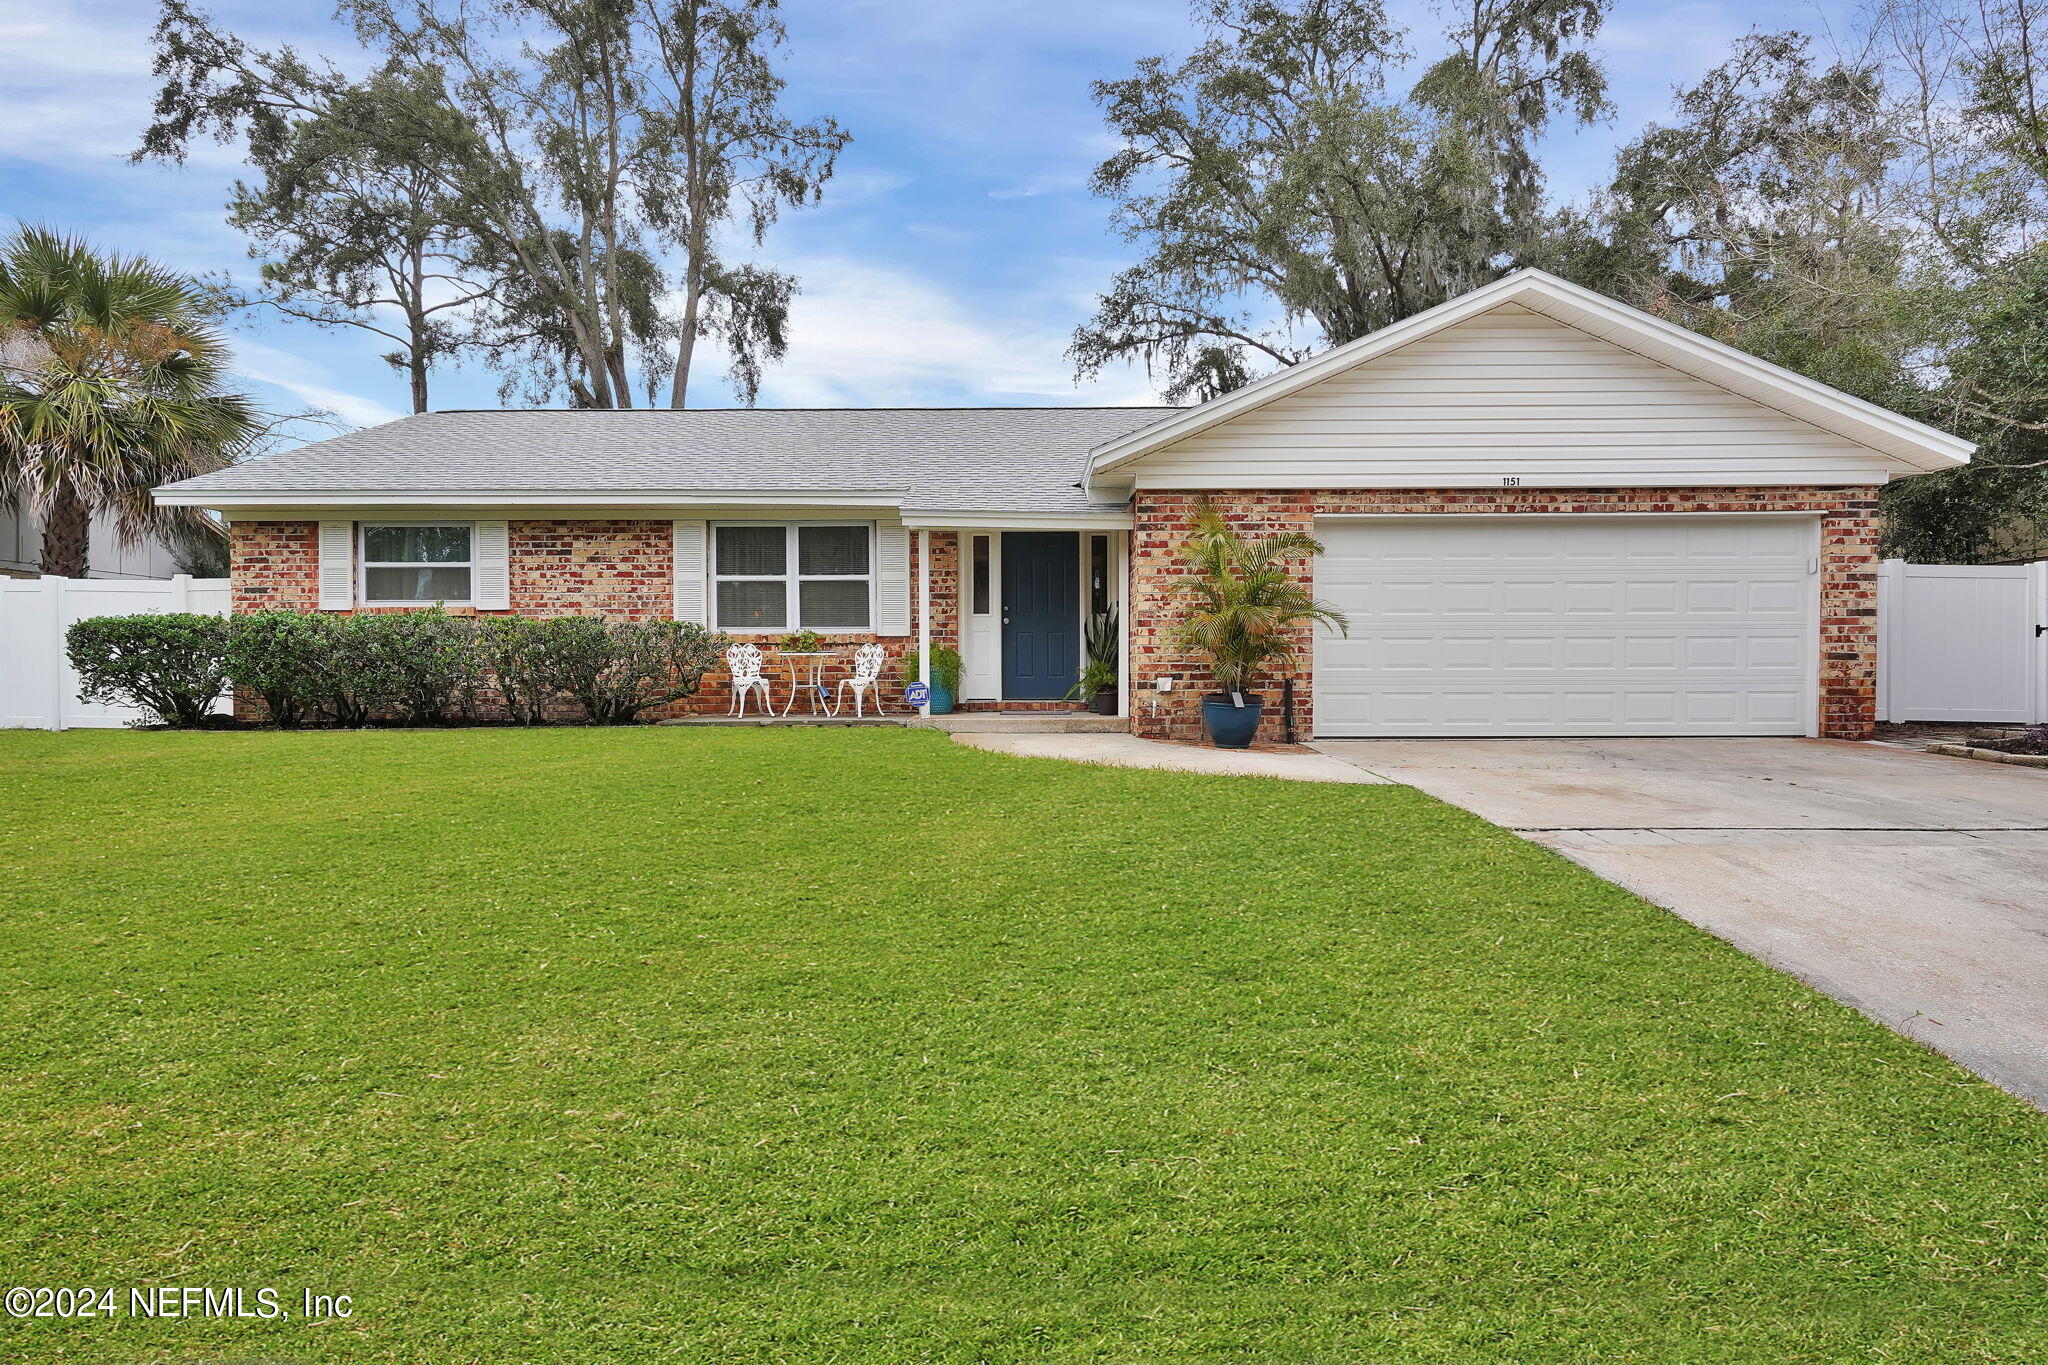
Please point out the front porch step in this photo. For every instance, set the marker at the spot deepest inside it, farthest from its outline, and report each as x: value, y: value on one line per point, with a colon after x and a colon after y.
x: 794, y: 718
x: 959, y: 723
x: 1024, y: 723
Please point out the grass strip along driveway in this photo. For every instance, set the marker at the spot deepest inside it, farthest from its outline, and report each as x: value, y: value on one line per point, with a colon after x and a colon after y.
x: 799, y: 1045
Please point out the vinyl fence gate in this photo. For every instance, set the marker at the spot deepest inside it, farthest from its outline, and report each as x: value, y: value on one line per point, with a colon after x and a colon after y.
x: 38, y: 690
x: 1963, y: 642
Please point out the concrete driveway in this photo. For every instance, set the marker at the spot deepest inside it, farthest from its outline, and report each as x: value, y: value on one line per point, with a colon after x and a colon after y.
x: 1911, y: 886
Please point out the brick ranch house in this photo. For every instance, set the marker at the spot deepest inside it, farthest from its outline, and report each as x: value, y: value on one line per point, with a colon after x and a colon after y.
x: 1544, y: 514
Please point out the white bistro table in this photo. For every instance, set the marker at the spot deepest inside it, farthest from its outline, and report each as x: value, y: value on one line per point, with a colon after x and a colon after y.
x: 815, y: 660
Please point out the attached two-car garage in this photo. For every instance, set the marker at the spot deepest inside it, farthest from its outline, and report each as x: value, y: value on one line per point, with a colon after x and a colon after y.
x: 1568, y: 624
x: 1545, y: 513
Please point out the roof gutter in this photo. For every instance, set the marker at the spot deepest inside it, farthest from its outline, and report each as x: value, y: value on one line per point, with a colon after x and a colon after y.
x: 178, y: 495
x: 1018, y: 521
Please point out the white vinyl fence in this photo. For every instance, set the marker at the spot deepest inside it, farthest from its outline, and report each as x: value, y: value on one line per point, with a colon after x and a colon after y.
x: 38, y: 690
x: 1963, y: 642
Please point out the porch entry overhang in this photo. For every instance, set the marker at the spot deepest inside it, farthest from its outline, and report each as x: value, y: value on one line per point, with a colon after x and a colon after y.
x: 1026, y: 589
x: 1019, y: 521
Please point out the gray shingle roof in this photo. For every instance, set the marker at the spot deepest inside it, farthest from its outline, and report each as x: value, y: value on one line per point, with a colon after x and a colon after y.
x: 939, y: 459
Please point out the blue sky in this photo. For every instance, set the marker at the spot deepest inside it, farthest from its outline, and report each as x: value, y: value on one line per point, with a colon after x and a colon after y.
x: 953, y: 255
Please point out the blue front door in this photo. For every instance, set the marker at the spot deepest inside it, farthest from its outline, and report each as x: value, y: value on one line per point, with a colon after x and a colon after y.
x: 1041, y: 614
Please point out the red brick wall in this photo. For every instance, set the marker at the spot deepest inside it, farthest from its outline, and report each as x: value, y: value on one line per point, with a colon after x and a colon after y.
x: 1848, y: 665
x: 945, y: 587
x: 274, y: 564
x: 622, y: 570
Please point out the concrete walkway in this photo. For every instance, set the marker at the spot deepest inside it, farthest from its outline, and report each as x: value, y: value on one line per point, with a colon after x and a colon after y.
x: 1129, y: 751
x: 1911, y: 886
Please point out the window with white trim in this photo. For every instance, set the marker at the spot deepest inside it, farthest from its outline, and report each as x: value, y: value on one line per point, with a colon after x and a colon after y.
x: 806, y: 575
x: 981, y: 572
x: 1098, y: 575
x: 415, y: 563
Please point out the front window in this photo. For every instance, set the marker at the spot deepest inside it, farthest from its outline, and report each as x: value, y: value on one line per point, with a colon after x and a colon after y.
x: 771, y: 576
x: 416, y: 562
x: 980, y: 587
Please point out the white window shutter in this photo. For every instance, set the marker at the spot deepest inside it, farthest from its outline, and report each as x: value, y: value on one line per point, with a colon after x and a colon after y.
x: 687, y: 554
x: 491, y: 555
x: 892, y: 580
x: 337, y: 565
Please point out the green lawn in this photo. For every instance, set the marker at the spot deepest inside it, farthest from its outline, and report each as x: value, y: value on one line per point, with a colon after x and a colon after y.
x: 859, y: 1046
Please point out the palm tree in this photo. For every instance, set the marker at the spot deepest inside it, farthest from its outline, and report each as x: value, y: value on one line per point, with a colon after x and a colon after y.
x: 1243, y: 604
x: 111, y: 382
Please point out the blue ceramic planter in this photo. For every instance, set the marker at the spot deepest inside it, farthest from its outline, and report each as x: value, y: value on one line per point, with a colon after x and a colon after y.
x: 1231, y: 727
x: 942, y: 699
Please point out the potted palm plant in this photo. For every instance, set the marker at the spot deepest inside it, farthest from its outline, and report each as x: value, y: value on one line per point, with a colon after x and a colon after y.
x: 1244, y: 608
x: 1097, y: 683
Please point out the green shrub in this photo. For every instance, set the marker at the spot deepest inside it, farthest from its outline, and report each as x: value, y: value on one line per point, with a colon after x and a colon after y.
x: 429, y: 667
x: 517, y: 651
x: 357, y: 681
x: 279, y: 655
x: 172, y: 667
x: 615, y: 670
x: 418, y: 667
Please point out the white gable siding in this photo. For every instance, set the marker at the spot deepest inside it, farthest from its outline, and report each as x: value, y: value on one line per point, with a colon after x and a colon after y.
x: 1510, y: 395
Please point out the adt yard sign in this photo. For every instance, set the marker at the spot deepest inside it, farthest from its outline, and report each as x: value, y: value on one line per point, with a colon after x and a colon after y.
x: 916, y: 694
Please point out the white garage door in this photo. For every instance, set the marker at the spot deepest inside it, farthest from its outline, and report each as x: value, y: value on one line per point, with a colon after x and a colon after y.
x: 1568, y: 624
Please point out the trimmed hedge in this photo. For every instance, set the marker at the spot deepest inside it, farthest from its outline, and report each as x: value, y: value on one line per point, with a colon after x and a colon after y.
x: 615, y: 670
x: 515, y: 651
x: 171, y: 666
x: 416, y: 668
x: 277, y: 655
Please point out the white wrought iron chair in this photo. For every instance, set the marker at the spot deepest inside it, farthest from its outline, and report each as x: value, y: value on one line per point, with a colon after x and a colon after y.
x: 744, y: 663
x: 866, y: 677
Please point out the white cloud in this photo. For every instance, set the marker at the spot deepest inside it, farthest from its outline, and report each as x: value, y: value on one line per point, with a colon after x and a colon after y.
x: 1068, y: 177
x: 869, y: 335
x: 54, y: 38
x: 1047, y: 182
x: 77, y: 84
x: 308, y: 383
x: 860, y: 186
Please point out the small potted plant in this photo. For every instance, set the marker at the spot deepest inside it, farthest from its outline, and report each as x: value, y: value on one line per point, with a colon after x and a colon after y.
x: 1097, y: 684
x: 945, y: 676
x: 801, y: 642
x: 1243, y: 609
